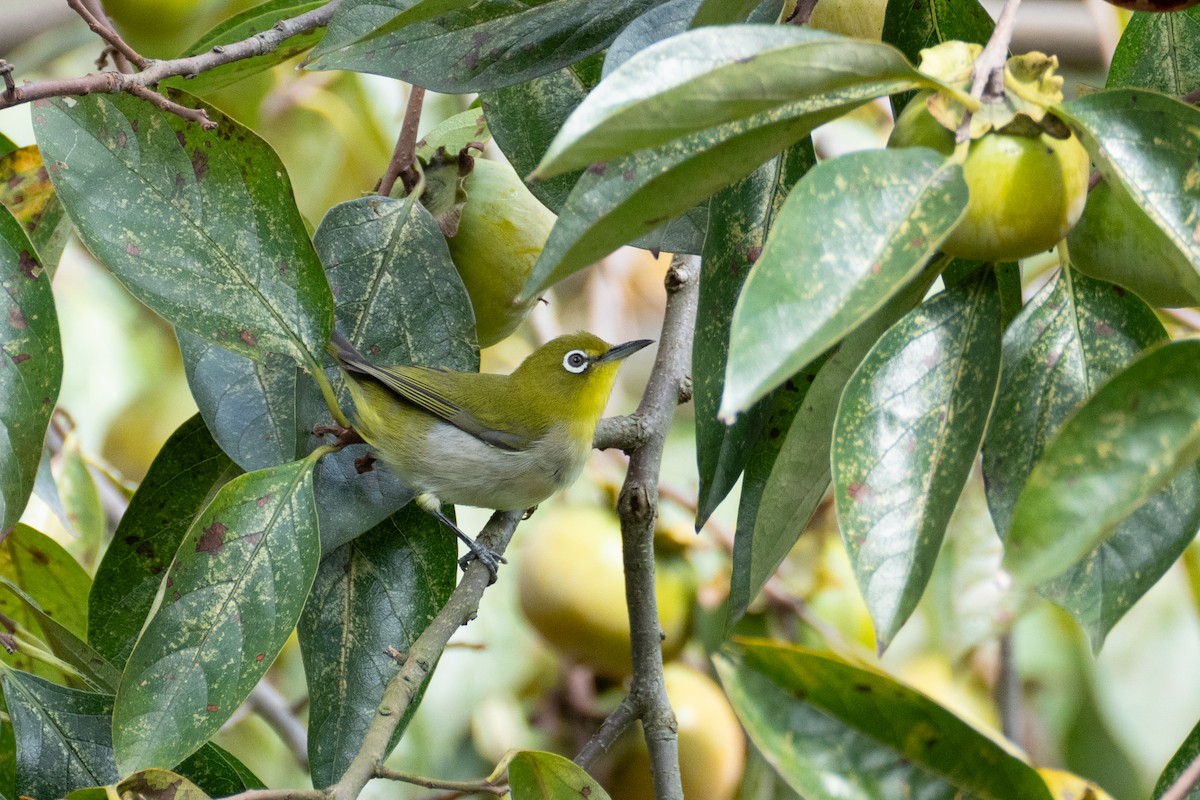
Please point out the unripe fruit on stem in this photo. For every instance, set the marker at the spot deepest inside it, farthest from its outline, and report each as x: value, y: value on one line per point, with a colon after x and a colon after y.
x: 572, y: 589
x: 712, y: 748
x: 500, y: 235
x: 1025, y: 192
x: 1116, y: 242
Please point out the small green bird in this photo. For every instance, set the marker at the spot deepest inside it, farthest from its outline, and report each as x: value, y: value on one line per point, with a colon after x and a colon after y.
x: 505, y: 442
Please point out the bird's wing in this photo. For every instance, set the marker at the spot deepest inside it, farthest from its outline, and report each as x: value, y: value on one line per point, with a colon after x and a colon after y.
x: 429, y: 390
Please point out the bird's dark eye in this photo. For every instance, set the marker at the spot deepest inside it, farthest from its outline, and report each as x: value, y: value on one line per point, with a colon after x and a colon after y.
x: 575, y: 361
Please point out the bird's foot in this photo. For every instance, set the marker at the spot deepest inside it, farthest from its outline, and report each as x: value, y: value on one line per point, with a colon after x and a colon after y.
x: 490, y: 559
x: 343, y: 435
x: 364, y: 463
x: 528, y: 513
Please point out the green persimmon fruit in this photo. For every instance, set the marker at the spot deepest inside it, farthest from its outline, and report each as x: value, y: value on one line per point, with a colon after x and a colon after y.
x: 571, y: 586
x: 1026, y: 192
x: 861, y: 19
x: 500, y: 235
x: 1154, y: 5
x: 1116, y: 242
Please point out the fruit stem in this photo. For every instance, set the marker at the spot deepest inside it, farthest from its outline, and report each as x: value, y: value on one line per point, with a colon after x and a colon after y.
x: 987, y: 79
x: 405, y: 154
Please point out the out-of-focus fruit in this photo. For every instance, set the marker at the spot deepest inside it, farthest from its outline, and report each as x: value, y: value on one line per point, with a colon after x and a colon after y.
x: 1026, y: 192
x: 500, y: 235
x: 1068, y: 786
x: 1154, y: 5
x: 712, y: 748
x: 1115, y: 242
x: 862, y: 19
x: 572, y: 589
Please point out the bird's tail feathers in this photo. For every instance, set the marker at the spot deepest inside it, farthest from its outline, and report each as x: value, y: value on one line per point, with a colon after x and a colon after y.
x: 347, y: 354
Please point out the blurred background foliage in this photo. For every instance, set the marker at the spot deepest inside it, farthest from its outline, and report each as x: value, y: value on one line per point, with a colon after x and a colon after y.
x: 1116, y: 717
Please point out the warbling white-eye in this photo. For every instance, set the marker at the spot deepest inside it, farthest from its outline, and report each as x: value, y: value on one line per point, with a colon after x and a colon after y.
x: 505, y: 442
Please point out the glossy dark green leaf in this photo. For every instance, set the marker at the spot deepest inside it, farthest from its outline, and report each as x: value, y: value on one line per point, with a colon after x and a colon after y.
x: 217, y: 773
x: 7, y: 145
x: 1159, y: 52
x: 820, y: 757
x: 907, y: 431
x: 1146, y: 143
x: 26, y: 191
x: 616, y: 202
x: 724, y: 12
x: 8, y: 747
x: 1189, y: 751
x: 661, y: 22
x: 742, y: 215
x: 899, y: 718
x: 30, y: 367
x: 94, y: 669
x: 1120, y: 448
x: 891, y: 209
x: 233, y: 595
x: 1074, y: 335
x: 47, y: 573
x: 548, y: 776
x: 186, y: 473
x: 788, y: 470
x: 525, y: 117
x: 250, y: 22
x: 377, y: 592
x: 64, y: 741
x: 208, y: 234
x: 1008, y: 279
x: 710, y: 77
x: 912, y: 27
x: 460, y: 47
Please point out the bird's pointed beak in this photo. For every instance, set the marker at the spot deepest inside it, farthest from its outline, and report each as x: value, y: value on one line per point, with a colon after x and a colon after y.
x: 623, y: 350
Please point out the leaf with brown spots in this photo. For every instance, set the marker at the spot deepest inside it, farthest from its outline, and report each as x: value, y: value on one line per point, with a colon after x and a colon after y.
x: 26, y: 190
x: 534, y: 775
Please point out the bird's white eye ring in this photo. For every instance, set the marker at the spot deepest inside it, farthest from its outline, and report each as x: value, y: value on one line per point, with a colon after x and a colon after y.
x: 575, y: 361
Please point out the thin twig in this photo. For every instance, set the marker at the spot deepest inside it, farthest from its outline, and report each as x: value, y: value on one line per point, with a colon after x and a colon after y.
x: 105, y: 32
x: 802, y: 13
x: 196, y: 115
x: 1008, y: 691
x: 405, y: 154
x: 266, y: 700
x: 614, y: 725
x: 482, y: 786
x: 279, y: 794
x: 1184, y: 783
x: 987, y: 81
x: 119, y: 61
x: 402, y: 689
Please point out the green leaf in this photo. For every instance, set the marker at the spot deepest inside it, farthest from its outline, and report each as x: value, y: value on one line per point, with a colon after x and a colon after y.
x: 81, y: 502
x: 30, y: 367
x: 63, y: 735
x: 908, y: 428
x: 712, y: 76
x: 186, y: 473
x: 47, y: 573
x: 817, y: 754
x: 455, y: 134
x: 900, y: 718
x: 892, y: 208
x: 525, y: 117
x: 26, y: 191
x: 252, y: 21
x: 95, y: 670
x: 1074, y: 335
x: 233, y: 596
x: 1159, y: 52
x: 616, y: 202
x: 547, y: 776
x: 789, y: 469
x: 1119, y: 449
x: 376, y: 592
x: 1146, y: 143
x: 1189, y: 751
x: 912, y: 27
x: 217, y: 773
x: 7, y: 145
x: 208, y: 236
x: 742, y: 215
x: 661, y: 22
x: 723, y: 12
x: 458, y: 47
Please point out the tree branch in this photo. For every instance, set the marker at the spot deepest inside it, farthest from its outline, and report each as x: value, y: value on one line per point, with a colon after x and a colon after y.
x: 402, y: 689
x: 469, y: 787
x: 401, y: 165
x: 102, y: 29
x: 616, y: 723
x: 625, y: 433
x: 266, y: 700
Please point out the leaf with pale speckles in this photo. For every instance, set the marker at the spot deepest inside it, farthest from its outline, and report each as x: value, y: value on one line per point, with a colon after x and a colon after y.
x: 547, y: 776
x: 204, y: 229
x: 713, y: 76
x: 217, y: 772
x: 30, y: 367
x: 886, y: 213
x: 616, y: 202
x: 912, y: 27
x: 742, y: 215
x: 186, y: 473
x: 1159, y: 52
x: 907, y: 431
x: 1074, y: 335
x: 813, y: 752
x: 899, y: 718
x: 1112, y: 455
x: 460, y: 46
x: 44, y: 570
x: 63, y: 735
x: 789, y: 469
x: 26, y: 190
x: 232, y: 597
x: 1146, y: 143
x: 379, y: 591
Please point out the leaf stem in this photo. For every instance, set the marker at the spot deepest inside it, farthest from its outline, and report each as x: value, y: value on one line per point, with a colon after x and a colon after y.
x: 405, y: 154
x: 318, y: 375
x: 987, y: 81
